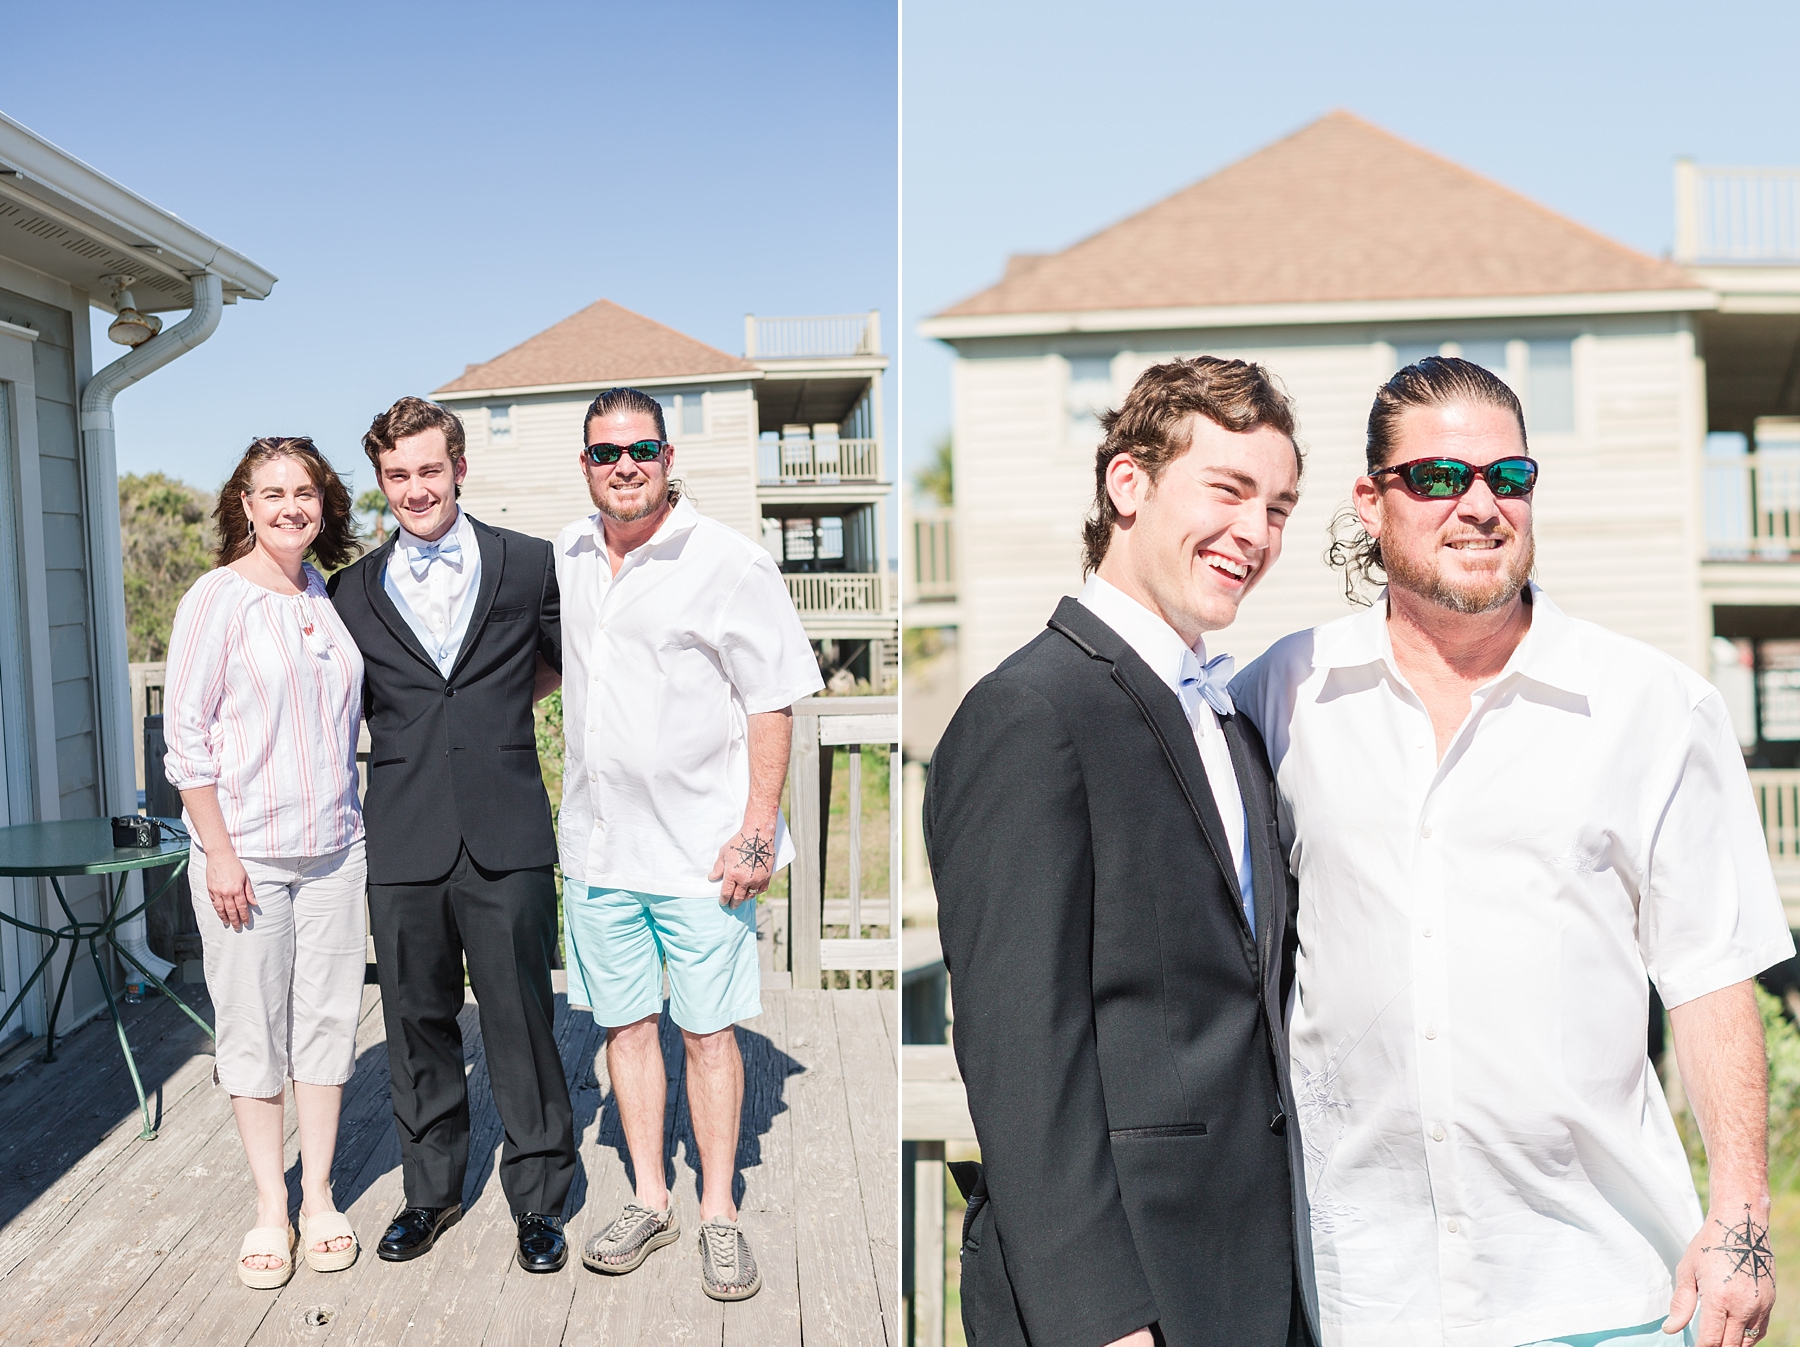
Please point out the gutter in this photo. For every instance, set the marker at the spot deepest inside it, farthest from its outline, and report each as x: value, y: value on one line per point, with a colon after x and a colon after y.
x: 106, y: 564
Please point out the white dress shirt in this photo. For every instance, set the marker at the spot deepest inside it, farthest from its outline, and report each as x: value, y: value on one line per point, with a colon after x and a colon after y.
x: 1489, y: 1155
x: 662, y: 666
x: 1158, y: 645
x: 433, y: 592
x: 264, y: 701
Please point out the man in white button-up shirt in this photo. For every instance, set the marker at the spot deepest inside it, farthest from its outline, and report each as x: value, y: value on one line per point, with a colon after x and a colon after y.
x: 1501, y: 819
x: 682, y: 654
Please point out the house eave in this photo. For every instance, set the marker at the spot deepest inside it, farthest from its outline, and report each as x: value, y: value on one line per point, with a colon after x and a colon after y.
x: 963, y: 327
x: 37, y: 175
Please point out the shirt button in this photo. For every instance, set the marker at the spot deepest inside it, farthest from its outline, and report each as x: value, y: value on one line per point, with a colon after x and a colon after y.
x: 1425, y: 831
x: 1431, y: 1031
x: 1437, y: 1134
x: 1452, y: 1226
x: 1427, y: 933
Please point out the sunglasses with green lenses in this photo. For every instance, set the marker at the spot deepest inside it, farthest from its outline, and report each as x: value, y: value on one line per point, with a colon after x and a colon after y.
x: 641, y: 452
x: 1448, y: 478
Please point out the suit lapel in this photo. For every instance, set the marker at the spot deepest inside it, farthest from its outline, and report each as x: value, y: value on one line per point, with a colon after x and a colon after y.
x: 1162, y: 711
x: 375, y: 587
x: 493, y: 561
x: 1258, y: 799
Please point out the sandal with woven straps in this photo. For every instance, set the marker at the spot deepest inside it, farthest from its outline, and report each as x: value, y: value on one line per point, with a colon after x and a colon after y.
x: 268, y: 1241
x: 322, y: 1228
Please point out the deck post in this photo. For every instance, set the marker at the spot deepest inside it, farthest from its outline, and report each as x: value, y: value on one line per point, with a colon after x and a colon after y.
x: 928, y: 1244
x: 806, y: 885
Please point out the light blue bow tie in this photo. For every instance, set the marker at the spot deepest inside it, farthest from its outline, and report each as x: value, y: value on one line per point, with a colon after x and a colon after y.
x: 450, y: 549
x: 1209, y: 682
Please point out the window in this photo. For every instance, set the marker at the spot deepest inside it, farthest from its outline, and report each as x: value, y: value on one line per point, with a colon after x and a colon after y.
x: 499, y: 425
x: 1550, y: 386
x: 831, y: 538
x: 1490, y: 355
x: 693, y: 413
x: 1090, y: 394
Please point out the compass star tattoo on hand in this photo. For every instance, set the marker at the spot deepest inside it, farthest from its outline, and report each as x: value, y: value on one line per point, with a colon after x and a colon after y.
x: 753, y: 852
x: 1746, y: 1244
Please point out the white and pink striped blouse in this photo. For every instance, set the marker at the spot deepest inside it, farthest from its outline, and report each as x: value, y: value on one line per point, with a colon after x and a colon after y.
x: 264, y: 702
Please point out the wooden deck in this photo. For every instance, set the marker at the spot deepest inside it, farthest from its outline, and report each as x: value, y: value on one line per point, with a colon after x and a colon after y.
x: 108, y: 1239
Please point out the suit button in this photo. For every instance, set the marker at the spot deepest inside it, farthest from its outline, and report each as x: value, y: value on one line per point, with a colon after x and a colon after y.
x: 1278, y: 1124
x: 449, y: 692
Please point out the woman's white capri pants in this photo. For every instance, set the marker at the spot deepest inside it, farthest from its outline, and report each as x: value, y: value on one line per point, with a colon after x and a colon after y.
x: 287, y: 989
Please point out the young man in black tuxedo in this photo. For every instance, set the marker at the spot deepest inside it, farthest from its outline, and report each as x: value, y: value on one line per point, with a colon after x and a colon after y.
x: 1116, y: 915
x: 459, y: 629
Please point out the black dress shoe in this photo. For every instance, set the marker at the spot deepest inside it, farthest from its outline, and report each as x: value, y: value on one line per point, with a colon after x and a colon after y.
x: 542, y: 1247
x: 415, y: 1230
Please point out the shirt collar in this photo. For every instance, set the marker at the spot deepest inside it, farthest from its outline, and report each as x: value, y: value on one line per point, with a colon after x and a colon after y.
x: 1550, y: 653
x: 681, y: 519
x: 460, y: 530
x: 1154, y: 640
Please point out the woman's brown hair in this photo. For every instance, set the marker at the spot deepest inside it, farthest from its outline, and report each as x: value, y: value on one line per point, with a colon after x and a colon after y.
x: 336, y: 544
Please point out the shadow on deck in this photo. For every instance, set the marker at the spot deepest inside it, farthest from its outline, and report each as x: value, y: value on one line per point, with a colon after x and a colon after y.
x: 108, y: 1239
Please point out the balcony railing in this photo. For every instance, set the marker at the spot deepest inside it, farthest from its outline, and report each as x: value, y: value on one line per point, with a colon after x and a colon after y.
x: 1752, y: 507
x: 1736, y: 214
x: 824, y: 337
x: 932, y: 563
x: 840, y: 593
x: 798, y: 462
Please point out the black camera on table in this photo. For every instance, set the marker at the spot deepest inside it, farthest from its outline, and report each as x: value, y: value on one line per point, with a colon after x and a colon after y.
x: 132, y: 830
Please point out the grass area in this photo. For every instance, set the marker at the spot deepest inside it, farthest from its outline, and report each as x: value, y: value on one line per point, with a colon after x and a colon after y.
x: 875, y: 846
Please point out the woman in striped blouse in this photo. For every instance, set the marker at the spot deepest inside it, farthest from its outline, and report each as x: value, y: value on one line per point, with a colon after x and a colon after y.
x: 261, y: 713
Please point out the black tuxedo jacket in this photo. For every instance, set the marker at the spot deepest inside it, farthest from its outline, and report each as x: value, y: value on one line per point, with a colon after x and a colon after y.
x: 1120, y: 1032
x: 453, y: 761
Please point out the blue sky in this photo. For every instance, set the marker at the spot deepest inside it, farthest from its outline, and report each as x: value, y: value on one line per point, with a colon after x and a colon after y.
x: 1027, y: 128
x: 435, y: 183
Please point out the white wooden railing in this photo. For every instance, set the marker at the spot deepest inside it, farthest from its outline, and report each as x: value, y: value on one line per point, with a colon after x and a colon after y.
x: 796, y: 462
x: 147, y: 682
x: 829, y: 592
x: 821, y: 725
x: 819, y: 337
x: 932, y: 564
x: 1752, y: 506
x: 1778, y: 801
x: 1736, y: 214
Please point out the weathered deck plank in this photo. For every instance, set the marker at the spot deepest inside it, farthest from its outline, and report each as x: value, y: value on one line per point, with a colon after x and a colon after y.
x: 108, y: 1239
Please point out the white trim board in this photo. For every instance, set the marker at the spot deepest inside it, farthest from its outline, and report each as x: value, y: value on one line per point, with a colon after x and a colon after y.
x: 594, y: 386
x: 975, y: 326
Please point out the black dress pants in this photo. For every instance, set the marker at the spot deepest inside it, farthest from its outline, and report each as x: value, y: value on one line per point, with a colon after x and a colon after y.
x: 504, y: 923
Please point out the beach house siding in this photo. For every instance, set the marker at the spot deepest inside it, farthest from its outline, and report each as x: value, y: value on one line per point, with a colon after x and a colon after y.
x: 528, y: 478
x: 1616, y: 516
x: 59, y: 524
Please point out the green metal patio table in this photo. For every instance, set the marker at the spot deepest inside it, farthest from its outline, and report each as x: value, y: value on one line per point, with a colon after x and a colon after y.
x: 70, y: 847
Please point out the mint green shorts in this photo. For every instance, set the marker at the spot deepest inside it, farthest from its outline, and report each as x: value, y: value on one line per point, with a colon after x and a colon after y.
x: 617, y: 943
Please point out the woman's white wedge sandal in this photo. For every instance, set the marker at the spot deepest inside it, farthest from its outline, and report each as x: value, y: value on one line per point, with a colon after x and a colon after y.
x: 322, y: 1229
x: 268, y: 1241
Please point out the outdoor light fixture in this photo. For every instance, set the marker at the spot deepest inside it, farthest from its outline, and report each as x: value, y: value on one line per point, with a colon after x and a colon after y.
x: 130, y: 328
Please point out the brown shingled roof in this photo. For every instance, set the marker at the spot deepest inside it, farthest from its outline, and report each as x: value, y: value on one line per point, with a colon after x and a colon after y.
x: 1340, y: 210
x: 602, y: 344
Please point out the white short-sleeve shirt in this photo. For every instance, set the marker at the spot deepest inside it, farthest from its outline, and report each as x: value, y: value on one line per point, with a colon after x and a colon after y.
x: 662, y: 666
x: 1489, y: 1156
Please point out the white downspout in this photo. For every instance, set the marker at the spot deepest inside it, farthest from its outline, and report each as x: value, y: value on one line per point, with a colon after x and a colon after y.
x: 101, y: 459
